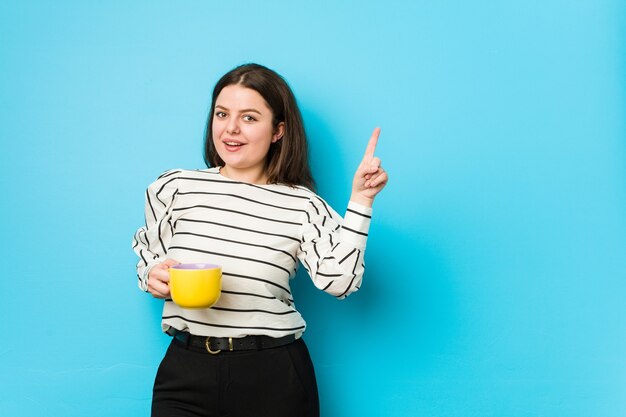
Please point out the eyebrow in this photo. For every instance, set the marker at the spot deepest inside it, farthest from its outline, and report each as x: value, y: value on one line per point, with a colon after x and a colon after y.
x: 241, y: 111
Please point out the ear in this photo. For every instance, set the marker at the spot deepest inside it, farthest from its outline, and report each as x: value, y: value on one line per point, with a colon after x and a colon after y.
x: 278, y: 132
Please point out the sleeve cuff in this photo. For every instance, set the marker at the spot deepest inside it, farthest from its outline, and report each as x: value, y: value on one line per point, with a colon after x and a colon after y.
x: 143, y: 282
x: 356, y: 224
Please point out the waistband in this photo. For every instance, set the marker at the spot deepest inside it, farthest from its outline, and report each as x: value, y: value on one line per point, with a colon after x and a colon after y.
x: 215, y: 345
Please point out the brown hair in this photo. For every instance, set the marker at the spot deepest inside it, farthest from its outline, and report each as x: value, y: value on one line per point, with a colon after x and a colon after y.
x: 287, y: 159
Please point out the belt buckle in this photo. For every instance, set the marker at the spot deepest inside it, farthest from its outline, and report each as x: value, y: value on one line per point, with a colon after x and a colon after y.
x: 207, y: 345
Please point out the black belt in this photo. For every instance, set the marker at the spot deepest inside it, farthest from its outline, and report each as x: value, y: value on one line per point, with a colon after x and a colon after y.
x: 215, y: 345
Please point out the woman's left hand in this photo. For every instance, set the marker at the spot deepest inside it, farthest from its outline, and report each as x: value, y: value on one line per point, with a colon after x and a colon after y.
x: 370, y: 177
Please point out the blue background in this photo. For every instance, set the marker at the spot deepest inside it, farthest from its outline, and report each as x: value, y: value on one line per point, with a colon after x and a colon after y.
x: 497, y: 255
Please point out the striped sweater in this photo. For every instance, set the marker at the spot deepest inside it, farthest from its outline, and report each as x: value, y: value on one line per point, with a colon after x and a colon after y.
x: 258, y: 233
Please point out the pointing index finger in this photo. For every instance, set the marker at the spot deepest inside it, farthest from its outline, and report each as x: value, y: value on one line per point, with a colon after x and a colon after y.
x: 371, y: 146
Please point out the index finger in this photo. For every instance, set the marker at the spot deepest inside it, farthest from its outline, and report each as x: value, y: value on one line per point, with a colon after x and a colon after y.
x: 371, y: 146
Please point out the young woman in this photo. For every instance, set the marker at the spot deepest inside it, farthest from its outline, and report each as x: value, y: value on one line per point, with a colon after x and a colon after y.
x: 252, y: 211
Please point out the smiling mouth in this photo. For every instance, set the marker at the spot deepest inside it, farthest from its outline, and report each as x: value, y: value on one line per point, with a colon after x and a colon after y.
x: 232, y: 145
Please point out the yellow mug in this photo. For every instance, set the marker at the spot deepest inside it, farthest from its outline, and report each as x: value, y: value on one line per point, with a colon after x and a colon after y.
x: 195, y: 285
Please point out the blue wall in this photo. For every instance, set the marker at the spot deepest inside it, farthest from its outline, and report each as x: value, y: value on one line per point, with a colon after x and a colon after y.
x: 497, y: 260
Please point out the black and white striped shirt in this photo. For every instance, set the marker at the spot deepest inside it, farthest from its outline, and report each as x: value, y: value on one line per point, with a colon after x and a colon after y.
x: 257, y: 233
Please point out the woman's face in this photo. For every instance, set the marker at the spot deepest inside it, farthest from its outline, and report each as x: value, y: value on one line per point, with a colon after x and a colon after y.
x: 243, y: 132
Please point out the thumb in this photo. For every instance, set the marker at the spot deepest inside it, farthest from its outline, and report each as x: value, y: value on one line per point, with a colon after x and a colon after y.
x: 169, y: 263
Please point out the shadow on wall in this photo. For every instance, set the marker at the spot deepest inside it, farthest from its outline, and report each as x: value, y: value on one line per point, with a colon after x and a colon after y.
x: 408, y: 288
x: 398, y: 326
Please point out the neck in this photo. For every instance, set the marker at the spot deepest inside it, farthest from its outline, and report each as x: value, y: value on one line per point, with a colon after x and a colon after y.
x: 250, y: 177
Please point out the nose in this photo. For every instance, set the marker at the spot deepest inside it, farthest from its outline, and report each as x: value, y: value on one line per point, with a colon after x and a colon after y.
x: 232, y: 127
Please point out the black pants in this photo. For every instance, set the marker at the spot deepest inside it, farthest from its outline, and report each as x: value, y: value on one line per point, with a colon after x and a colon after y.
x: 276, y: 382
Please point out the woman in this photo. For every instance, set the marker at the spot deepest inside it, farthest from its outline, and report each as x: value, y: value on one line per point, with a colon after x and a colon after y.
x: 252, y: 211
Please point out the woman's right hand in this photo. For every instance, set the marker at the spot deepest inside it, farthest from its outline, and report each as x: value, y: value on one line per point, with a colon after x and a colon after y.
x: 159, y: 277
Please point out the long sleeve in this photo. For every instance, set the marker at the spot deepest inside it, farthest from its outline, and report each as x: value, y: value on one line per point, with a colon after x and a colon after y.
x: 332, y: 248
x: 151, y: 241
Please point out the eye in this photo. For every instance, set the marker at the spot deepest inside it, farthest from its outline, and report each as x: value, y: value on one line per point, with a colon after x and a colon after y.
x: 249, y: 118
x: 220, y: 114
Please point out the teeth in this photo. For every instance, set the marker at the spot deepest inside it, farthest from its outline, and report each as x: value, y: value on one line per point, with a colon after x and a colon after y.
x: 233, y: 143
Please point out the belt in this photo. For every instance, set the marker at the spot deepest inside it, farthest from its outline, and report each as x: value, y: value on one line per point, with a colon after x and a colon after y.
x: 215, y: 345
